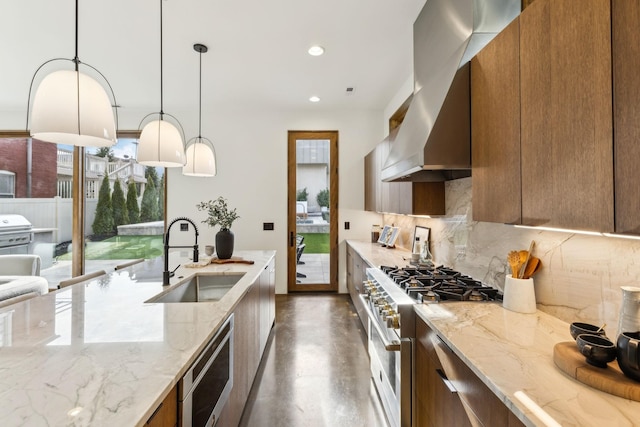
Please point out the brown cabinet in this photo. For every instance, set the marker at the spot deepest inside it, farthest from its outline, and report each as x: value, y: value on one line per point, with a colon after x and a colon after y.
x: 410, y: 198
x: 566, y: 114
x: 495, y: 129
x: 550, y: 153
x: 166, y: 414
x: 447, y: 392
x: 356, y: 274
x: 626, y: 110
x: 253, y: 318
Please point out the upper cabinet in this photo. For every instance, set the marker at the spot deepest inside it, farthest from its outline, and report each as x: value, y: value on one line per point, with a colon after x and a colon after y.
x: 566, y: 114
x: 557, y: 115
x: 626, y: 113
x: 495, y: 129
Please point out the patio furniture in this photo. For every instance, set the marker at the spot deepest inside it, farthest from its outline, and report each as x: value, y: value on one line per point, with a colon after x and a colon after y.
x: 19, y: 265
x: 299, y: 249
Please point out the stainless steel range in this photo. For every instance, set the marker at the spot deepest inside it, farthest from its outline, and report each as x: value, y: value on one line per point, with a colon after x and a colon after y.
x: 390, y: 294
x: 15, y: 234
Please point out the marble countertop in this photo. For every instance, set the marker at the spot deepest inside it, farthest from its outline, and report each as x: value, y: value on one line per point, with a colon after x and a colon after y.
x: 512, y: 354
x: 97, y: 354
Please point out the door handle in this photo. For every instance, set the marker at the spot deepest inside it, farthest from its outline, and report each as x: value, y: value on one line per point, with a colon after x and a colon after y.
x: 291, y: 238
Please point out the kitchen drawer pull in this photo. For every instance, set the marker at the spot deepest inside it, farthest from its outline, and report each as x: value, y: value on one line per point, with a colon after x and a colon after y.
x: 446, y: 381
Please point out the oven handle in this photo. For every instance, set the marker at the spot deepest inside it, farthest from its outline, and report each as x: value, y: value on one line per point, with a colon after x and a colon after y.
x: 388, y: 345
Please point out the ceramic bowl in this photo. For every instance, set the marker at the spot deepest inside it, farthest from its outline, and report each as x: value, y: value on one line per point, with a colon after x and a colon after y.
x: 578, y: 328
x: 597, y: 349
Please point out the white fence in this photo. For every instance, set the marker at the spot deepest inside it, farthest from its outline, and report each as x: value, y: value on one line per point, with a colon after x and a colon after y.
x: 50, y: 213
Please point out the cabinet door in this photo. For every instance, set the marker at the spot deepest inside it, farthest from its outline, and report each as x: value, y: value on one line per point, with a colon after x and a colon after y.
x: 246, y: 355
x: 435, y: 404
x: 495, y: 129
x: 566, y: 114
x: 626, y: 110
x: 166, y: 415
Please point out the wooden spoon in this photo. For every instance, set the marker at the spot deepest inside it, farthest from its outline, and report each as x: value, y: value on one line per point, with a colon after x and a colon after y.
x: 532, y: 266
x: 526, y: 261
x: 513, y: 258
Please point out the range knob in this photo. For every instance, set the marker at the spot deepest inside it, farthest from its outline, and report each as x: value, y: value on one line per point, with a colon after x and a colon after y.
x: 393, y: 321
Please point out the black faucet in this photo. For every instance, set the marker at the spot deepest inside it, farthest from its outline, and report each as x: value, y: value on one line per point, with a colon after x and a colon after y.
x: 166, y: 274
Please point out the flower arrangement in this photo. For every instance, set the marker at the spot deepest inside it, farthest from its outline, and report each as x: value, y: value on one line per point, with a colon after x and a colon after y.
x: 218, y: 213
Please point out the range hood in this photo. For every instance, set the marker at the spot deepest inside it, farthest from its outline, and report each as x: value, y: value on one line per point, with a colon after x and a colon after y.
x: 434, y: 140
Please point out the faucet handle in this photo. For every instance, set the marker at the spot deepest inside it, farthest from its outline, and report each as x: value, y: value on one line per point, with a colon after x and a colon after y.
x: 195, y: 253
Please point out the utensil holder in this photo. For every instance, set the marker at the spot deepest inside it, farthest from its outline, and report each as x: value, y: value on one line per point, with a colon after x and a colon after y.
x: 519, y: 295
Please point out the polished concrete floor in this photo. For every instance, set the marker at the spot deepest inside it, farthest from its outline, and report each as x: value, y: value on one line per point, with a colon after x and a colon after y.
x: 315, y: 371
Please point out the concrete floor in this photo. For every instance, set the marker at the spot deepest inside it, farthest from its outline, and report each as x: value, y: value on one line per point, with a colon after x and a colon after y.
x: 315, y: 371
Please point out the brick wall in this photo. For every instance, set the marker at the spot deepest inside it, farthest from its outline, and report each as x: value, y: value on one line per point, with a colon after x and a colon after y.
x: 13, y: 158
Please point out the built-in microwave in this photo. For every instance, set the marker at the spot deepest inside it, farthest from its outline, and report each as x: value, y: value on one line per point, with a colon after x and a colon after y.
x: 206, y: 386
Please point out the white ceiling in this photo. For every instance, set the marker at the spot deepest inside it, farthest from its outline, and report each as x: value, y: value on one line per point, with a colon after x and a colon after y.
x: 257, y: 50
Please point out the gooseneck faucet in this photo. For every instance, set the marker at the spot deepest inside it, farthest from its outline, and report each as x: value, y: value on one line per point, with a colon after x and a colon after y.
x: 166, y: 274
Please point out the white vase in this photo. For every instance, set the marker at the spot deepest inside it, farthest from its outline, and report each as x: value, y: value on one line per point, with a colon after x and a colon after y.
x: 629, y: 320
x: 519, y: 295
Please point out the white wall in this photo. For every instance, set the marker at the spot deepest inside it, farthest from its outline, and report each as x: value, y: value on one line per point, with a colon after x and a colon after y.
x: 251, y: 148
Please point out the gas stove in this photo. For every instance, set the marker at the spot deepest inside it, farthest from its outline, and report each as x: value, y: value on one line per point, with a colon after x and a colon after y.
x: 430, y: 284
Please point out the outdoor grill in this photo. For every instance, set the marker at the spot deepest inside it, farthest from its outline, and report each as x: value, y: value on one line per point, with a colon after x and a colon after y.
x: 15, y: 234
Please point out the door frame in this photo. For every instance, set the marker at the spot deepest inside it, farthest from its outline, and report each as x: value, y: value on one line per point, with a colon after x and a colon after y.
x: 293, y: 136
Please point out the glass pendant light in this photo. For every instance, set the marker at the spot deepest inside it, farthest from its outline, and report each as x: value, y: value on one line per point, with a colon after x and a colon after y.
x: 161, y: 143
x: 201, y: 158
x: 70, y: 107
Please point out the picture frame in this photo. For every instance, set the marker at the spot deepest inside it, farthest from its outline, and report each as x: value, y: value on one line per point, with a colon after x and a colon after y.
x: 384, y: 235
x: 391, y: 241
x: 424, y: 233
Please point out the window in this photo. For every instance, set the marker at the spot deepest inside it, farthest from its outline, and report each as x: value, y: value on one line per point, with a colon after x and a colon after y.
x: 7, y: 184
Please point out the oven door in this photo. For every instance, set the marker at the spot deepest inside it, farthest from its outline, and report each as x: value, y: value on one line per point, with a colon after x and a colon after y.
x: 385, y: 371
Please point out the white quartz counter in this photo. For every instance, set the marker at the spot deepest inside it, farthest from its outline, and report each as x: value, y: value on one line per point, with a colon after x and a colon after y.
x: 512, y: 354
x: 96, y: 354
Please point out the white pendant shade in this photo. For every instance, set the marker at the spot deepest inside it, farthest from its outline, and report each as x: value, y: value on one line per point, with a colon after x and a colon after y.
x: 201, y: 160
x: 56, y: 116
x: 160, y: 145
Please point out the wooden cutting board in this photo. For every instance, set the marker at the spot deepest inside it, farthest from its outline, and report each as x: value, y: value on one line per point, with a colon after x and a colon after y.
x: 231, y: 260
x: 567, y: 357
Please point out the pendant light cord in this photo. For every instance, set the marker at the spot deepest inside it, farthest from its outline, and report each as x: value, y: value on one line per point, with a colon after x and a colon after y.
x: 76, y: 59
x: 161, y: 68
x: 200, y: 101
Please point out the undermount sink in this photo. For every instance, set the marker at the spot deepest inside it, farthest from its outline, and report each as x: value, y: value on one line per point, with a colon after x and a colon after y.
x: 200, y: 288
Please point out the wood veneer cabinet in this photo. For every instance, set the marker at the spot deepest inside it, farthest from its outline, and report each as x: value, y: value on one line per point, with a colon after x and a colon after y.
x: 166, y: 414
x: 356, y: 274
x: 626, y: 110
x: 566, y: 114
x: 410, y: 198
x: 495, y: 129
x: 469, y: 403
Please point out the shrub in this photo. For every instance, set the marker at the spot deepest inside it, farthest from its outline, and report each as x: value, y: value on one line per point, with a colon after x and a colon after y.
x: 103, y: 222
x: 302, y: 195
x: 149, y: 207
x: 323, y: 197
x: 119, y: 206
x: 132, y: 203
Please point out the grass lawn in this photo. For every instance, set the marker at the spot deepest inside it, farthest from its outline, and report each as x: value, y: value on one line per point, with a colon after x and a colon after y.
x: 316, y: 243
x: 122, y: 247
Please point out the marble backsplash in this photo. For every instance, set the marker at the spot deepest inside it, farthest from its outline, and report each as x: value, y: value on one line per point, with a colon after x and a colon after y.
x: 581, y: 274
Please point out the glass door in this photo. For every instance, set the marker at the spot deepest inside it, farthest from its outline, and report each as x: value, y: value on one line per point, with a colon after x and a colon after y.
x: 313, y: 222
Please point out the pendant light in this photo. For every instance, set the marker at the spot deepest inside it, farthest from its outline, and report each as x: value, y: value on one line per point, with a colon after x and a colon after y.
x: 161, y: 143
x: 201, y: 158
x: 70, y: 107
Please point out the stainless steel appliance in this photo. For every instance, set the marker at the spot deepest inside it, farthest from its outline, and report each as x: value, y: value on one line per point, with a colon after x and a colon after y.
x: 390, y: 294
x: 205, y: 387
x: 15, y: 234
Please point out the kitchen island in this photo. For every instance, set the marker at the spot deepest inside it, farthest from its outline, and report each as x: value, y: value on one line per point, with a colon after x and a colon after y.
x: 509, y: 355
x: 96, y: 353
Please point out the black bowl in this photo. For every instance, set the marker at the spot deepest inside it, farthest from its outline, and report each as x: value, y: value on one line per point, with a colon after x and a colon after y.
x: 578, y: 328
x: 597, y: 349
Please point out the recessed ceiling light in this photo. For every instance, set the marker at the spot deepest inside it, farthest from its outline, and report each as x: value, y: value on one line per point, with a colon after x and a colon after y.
x: 314, y: 99
x: 316, y: 50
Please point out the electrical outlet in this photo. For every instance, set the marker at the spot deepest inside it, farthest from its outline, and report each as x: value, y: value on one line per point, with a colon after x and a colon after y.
x: 267, y: 226
x: 184, y: 226
x: 347, y: 225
